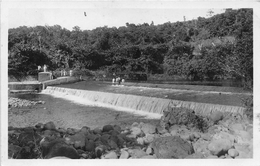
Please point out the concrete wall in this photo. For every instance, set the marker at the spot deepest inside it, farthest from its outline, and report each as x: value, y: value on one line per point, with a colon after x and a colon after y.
x: 24, y: 86
x: 60, y: 80
x: 142, y: 103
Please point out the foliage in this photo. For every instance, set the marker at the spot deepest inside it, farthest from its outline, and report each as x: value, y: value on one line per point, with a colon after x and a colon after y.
x: 183, y: 116
x: 204, y: 48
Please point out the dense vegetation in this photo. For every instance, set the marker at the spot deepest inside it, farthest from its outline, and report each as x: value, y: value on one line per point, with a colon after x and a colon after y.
x: 203, y: 49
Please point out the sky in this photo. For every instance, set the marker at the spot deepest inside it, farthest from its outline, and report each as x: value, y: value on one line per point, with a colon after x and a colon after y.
x: 99, y: 17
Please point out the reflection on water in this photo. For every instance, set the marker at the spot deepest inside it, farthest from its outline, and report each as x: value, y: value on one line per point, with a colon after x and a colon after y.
x: 224, y: 83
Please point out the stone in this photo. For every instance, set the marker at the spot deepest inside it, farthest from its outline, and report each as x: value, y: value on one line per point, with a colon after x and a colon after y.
x: 90, y: 145
x: 135, y: 124
x: 196, y: 135
x: 114, y: 133
x: 161, y: 130
x: 124, y: 155
x: 226, y: 136
x: 39, y: 126
x: 57, y: 147
x: 99, y: 150
x: 243, y: 137
x: 206, y: 136
x: 137, y: 153
x: 97, y: 131
x: 245, y: 151
x: 174, y: 132
x: 80, y: 151
x: 112, y: 144
x: 171, y: 147
x: 236, y: 126
x: 219, y: 147
x: 149, y: 150
x: 117, y: 128
x: 78, y: 140
x: 49, y: 133
x: 13, y: 150
x: 104, y: 138
x: 49, y: 126
x: 216, y: 116
x: 233, y: 153
x: 71, y: 131
x: 107, y: 128
x: 111, y: 155
x: 62, y: 130
x: 27, y: 137
x: 85, y: 130
x: 140, y: 141
x: 185, y: 136
x: 148, y: 128
x: 201, y: 146
x: 136, y: 131
x: 148, y: 138
x: 93, y: 137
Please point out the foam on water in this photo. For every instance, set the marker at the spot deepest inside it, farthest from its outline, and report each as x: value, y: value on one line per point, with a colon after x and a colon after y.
x: 82, y: 101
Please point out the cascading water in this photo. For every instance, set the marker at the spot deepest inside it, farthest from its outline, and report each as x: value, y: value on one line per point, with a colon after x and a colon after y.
x: 140, y: 103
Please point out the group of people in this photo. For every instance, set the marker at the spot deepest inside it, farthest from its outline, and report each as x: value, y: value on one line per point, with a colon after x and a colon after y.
x: 117, y: 80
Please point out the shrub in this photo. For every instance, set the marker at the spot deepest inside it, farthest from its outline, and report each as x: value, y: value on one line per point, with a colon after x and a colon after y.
x: 183, y: 116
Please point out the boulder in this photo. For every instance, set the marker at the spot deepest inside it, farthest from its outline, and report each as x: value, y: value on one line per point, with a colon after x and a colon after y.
x: 110, y: 155
x: 112, y: 144
x: 233, y: 153
x: 149, y: 150
x: 137, y: 153
x: 90, y: 145
x: 71, y: 131
x: 78, y: 140
x: 148, y: 138
x: 27, y: 137
x: 117, y: 128
x: 49, y: 126
x: 226, y: 136
x: 97, y: 131
x: 57, y: 147
x: 13, y: 151
x: 92, y: 137
x: 148, y: 128
x: 99, y: 150
x: 243, y: 137
x: 216, y: 116
x: 107, y: 128
x: 140, y: 140
x: 136, y: 131
x: 85, y: 130
x: 171, y: 147
x: 219, y: 147
x: 236, y: 126
x: 124, y: 155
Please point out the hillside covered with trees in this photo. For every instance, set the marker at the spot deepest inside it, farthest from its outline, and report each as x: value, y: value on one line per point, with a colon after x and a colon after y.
x: 202, y: 49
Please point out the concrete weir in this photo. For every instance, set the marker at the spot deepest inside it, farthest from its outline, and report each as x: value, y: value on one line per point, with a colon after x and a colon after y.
x: 139, y: 103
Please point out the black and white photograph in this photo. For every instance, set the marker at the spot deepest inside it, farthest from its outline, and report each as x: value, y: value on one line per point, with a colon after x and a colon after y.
x: 129, y: 80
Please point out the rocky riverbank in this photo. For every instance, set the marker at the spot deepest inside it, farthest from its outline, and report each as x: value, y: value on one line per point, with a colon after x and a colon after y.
x: 16, y: 102
x: 223, y: 138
